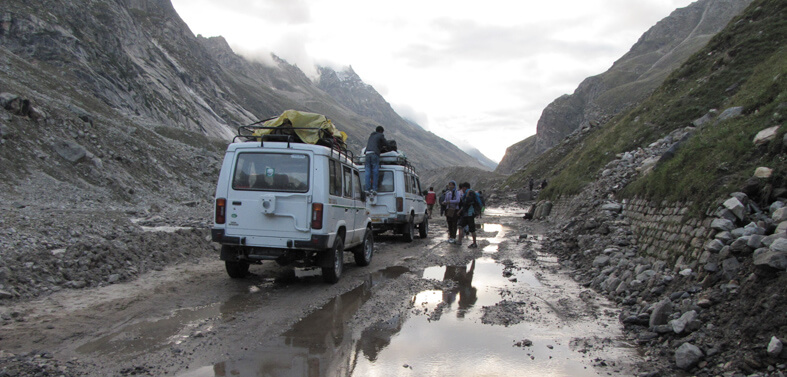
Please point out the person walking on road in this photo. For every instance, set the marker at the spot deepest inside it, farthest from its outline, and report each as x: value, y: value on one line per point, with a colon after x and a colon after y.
x: 471, y: 207
x: 374, y: 147
x: 452, y: 198
x: 431, y: 199
x: 441, y: 200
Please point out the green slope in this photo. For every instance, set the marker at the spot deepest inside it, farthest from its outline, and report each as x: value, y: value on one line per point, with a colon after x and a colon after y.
x: 744, y: 65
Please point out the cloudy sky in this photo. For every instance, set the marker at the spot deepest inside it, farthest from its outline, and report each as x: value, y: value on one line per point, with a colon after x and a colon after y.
x: 474, y: 72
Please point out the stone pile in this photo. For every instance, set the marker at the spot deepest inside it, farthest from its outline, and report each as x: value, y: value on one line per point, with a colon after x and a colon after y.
x: 718, y: 308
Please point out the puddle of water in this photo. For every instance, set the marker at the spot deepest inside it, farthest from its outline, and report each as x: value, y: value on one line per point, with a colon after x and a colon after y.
x: 495, y: 241
x: 450, y: 338
x: 318, y: 345
x: 444, y: 336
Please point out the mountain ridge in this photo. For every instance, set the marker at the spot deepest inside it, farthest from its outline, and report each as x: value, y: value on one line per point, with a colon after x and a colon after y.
x: 659, y: 51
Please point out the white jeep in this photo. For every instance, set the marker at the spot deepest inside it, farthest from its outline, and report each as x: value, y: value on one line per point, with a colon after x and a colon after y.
x: 399, y: 205
x: 290, y: 202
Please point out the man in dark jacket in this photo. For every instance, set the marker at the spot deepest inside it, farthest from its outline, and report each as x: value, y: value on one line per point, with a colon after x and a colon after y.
x: 373, y: 149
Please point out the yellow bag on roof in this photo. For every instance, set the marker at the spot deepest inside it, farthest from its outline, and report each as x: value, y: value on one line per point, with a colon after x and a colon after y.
x: 313, y: 124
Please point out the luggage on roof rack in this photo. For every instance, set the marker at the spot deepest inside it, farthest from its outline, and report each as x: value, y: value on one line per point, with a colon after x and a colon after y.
x: 309, y: 128
x: 294, y: 126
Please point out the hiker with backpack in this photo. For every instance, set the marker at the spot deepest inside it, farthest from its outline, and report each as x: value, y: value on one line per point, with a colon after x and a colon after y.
x: 452, y: 198
x: 470, y: 208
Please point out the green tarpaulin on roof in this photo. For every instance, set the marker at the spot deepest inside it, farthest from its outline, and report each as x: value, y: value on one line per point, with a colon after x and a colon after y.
x: 297, y: 119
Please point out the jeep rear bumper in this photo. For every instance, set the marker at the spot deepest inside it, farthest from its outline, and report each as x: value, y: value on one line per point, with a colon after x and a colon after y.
x: 317, y: 241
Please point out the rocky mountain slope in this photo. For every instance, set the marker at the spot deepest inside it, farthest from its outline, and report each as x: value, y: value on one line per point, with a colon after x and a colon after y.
x: 142, y: 61
x: 675, y: 208
x: 659, y: 51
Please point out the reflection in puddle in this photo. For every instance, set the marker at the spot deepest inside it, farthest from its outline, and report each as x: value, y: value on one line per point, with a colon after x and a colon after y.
x: 451, y: 339
x: 318, y: 345
x: 495, y: 241
x: 447, y: 333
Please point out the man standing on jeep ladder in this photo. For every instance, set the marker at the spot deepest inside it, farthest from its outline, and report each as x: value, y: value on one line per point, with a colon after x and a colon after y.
x: 373, y: 149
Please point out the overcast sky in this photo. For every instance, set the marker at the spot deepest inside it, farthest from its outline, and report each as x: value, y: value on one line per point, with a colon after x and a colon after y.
x: 473, y: 72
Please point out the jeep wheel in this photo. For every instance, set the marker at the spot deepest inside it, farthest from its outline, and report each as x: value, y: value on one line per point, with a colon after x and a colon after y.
x: 423, y: 229
x: 409, y: 230
x: 334, y: 262
x: 363, y: 253
x: 237, y: 269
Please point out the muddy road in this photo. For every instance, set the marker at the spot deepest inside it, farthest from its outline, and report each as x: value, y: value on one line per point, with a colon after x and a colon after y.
x: 426, y: 308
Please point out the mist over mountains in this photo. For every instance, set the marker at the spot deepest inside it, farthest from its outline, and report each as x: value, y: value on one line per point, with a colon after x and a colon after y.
x: 140, y: 59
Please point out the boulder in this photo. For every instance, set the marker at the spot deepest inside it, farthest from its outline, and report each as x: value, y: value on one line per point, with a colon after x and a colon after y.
x: 714, y: 246
x: 612, y: 207
x: 741, y: 245
x: 731, y: 112
x: 601, y: 261
x: 779, y: 245
x: 779, y: 214
x: 763, y: 172
x: 661, y: 313
x: 722, y: 224
x: 70, y: 151
x: 775, y: 346
x: 687, y: 356
x: 684, y: 322
x: 769, y: 259
x: 765, y: 136
x: 736, y: 207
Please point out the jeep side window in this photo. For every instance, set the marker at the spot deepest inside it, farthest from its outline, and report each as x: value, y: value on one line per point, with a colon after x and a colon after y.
x: 356, y: 185
x: 416, y: 186
x: 348, y: 182
x: 386, y: 182
x: 335, y: 178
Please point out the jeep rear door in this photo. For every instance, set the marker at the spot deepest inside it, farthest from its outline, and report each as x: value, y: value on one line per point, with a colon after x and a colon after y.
x: 269, y: 198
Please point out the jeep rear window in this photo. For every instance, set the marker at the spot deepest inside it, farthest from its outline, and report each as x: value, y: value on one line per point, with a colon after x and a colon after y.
x: 271, y: 172
x: 386, y: 182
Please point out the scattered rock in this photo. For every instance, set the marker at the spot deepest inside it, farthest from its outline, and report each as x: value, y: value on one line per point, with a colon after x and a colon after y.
x: 687, y: 356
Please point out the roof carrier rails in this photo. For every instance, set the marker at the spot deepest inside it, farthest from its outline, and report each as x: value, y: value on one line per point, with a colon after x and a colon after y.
x: 287, y: 135
x: 399, y: 160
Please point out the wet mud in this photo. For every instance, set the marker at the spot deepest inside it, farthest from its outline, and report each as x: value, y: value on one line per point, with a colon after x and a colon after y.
x: 426, y: 308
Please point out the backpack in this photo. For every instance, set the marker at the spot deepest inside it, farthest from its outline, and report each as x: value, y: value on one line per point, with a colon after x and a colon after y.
x: 476, y: 202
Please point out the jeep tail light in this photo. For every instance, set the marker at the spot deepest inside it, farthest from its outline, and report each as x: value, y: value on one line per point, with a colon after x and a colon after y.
x: 221, y: 210
x: 316, y: 215
x: 399, y: 204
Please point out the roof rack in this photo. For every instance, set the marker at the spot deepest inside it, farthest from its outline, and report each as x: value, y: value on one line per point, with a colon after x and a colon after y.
x: 287, y: 135
x: 398, y: 161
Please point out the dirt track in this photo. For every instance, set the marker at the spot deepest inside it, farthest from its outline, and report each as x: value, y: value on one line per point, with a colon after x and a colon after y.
x: 421, y: 308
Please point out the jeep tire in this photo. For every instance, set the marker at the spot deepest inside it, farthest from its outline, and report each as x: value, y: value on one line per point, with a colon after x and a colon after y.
x: 408, y: 230
x: 363, y: 253
x: 333, y: 262
x: 423, y: 229
x: 237, y: 269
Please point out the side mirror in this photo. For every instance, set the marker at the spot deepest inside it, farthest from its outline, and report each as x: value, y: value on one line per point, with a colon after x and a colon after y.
x: 363, y: 196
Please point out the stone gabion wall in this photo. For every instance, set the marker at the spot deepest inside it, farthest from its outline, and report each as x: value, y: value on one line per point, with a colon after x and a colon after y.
x: 665, y: 231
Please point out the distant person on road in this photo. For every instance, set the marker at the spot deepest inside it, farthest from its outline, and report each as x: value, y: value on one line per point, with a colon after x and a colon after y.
x: 441, y: 200
x: 531, y: 184
x: 374, y: 147
x: 452, y: 198
x: 470, y: 208
x: 483, y: 201
x: 431, y: 199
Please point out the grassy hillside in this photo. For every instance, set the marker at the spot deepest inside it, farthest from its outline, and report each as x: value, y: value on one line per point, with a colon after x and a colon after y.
x: 744, y: 65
